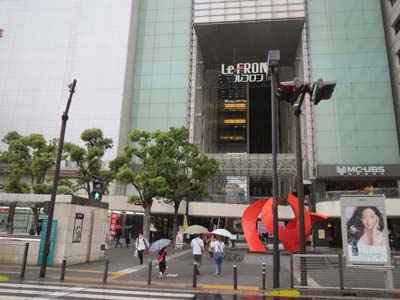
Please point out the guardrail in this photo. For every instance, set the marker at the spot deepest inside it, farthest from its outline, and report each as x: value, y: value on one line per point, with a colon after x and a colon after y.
x: 331, y: 272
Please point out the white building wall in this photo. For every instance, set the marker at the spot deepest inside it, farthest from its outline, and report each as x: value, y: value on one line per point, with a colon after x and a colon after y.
x: 45, y: 45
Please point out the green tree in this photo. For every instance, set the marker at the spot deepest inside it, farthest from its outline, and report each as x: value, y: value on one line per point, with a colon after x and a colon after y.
x: 28, y: 155
x: 146, y: 154
x: 185, y: 170
x: 89, y: 159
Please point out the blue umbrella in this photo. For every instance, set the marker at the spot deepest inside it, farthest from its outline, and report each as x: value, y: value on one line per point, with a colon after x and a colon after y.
x: 159, y: 244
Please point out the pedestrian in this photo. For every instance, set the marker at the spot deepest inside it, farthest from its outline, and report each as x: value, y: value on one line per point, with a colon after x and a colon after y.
x: 118, y: 234
x: 162, y: 262
x: 211, y: 245
x: 198, y: 249
x: 218, y: 255
x: 127, y: 238
x: 141, y: 244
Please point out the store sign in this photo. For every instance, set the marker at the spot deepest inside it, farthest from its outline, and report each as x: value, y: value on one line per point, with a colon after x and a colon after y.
x: 113, y: 222
x: 360, y: 170
x: 247, y: 72
x: 349, y: 171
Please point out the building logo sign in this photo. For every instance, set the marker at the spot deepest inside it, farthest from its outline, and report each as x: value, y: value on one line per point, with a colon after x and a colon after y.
x: 360, y: 170
x: 247, y: 72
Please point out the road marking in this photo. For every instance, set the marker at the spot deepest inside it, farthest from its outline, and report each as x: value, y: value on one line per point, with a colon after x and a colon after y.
x: 131, y: 270
x: 111, y: 297
x: 13, y: 298
x: 58, y: 269
x: 3, y: 278
x: 22, y: 285
x: 116, y: 291
x: 284, y: 293
x: 310, y: 281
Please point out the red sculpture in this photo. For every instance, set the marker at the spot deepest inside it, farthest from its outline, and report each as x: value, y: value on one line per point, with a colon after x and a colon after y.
x: 288, y: 235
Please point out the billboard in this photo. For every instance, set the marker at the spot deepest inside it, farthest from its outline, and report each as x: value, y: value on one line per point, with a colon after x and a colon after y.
x: 364, y: 229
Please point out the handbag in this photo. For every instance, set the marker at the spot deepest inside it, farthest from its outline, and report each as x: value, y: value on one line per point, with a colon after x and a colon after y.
x: 135, y: 253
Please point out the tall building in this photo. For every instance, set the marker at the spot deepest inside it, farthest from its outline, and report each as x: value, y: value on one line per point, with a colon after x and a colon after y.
x: 153, y: 64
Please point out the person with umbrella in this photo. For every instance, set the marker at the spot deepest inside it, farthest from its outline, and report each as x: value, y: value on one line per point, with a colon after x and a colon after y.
x: 118, y: 235
x: 162, y: 262
x: 141, y: 244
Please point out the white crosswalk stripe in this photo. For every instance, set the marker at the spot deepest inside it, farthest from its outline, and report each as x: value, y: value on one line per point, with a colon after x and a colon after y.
x: 40, y: 291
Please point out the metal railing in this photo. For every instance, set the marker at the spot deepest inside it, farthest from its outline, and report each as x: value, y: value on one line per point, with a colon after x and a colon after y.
x: 331, y: 272
x: 335, y: 195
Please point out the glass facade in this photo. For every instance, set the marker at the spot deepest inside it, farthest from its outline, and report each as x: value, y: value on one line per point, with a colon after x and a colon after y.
x: 347, y: 44
x: 162, y: 65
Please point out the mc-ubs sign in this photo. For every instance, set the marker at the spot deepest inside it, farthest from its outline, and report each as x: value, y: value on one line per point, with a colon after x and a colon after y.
x: 247, y: 72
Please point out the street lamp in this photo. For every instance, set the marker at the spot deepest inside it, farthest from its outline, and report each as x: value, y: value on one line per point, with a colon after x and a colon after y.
x: 64, y: 118
x: 273, y: 66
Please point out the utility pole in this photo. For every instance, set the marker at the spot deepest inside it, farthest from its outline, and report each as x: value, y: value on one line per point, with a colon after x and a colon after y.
x: 64, y: 118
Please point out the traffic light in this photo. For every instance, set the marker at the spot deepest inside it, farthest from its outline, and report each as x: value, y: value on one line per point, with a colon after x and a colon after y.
x: 97, y: 192
x: 289, y: 91
x: 323, y: 90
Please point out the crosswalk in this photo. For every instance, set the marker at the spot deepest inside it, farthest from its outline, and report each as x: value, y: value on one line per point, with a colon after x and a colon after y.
x: 41, y: 291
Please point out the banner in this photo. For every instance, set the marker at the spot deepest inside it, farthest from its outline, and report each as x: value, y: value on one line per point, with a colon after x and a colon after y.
x: 364, y: 230
x: 113, y: 221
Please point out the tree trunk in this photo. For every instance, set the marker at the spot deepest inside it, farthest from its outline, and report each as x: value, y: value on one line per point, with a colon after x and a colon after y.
x: 35, y: 218
x: 175, y: 221
x: 146, y: 222
x: 10, y: 219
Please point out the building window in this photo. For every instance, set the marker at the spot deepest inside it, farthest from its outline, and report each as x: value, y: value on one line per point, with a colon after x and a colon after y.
x: 393, y: 2
x: 397, y: 26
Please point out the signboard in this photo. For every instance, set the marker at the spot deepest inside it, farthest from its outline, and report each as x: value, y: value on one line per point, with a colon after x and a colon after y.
x: 78, y: 225
x: 364, y: 230
x: 247, y: 72
x: 52, y: 242
x: 113, y: 221
x: 348, y: 171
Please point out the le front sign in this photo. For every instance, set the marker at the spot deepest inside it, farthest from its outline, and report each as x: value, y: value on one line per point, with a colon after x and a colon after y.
x: 247, y: 72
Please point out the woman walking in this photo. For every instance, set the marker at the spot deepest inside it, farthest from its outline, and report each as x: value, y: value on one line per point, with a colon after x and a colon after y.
x: 141, y: 244
x: 162, y: 262
x: 218, y: 255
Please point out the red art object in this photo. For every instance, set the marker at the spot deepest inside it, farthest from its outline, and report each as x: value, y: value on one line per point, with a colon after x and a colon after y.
x: 288, y: 235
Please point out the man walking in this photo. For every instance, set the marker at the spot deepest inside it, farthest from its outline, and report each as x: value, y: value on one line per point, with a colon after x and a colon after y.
x: 198, y: 249
x: 141, y: 244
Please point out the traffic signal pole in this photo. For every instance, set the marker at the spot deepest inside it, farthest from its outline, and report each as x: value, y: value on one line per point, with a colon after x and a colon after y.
x: 300, y: 189
x: 64, y: 118
x: 276, y: 254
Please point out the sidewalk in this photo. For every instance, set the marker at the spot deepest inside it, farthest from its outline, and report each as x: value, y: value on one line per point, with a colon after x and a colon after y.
x: 124, y: 270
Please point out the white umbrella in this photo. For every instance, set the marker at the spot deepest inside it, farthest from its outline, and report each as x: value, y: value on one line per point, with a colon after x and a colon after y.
x: 222, y: 232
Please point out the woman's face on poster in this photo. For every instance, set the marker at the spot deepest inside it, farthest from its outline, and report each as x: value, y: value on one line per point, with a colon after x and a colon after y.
x: 369, y: 218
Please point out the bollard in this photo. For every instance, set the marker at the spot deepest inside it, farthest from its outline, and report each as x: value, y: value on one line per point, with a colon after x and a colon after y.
x: 149, y: 265
x: 24, y: 260
x: 106, y: 269
x: 263, y: 276
x: 235, y: 280
x: 341, y: 276
x: 291, y: 272
x: 63, y: 266
x: 194, y: 275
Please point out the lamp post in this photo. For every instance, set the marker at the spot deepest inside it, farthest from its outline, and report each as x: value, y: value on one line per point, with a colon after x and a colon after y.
x: 273, y: 65
x: 64, y: 118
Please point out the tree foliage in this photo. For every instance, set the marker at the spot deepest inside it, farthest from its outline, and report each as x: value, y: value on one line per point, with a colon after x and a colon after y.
x: 89, y: 159
x: 146, y: 153
x: 185, y: 170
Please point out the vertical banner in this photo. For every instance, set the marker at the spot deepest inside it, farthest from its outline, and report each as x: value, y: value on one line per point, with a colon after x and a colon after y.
x: 113, y: 221
x: 78, y: 225
x: 52, y: 242
x: 364, y: 230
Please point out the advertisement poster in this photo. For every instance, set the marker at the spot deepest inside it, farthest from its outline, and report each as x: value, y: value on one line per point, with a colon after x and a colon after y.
x: 179, y: 240
x: 364, y: 230
x: 78, y: 225
x: 113, y: 221
x: 52, y: 242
